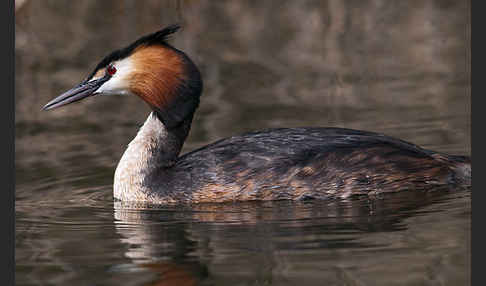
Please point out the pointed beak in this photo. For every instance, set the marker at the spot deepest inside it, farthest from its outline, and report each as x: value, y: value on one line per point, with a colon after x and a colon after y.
x: 84, y: 89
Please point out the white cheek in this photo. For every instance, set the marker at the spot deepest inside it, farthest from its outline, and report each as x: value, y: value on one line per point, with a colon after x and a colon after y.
x: 119, y: 82
x: 115, y: 85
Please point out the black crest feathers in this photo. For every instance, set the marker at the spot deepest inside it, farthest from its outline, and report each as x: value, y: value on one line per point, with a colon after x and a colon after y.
x: 158, y: 38
x: 186, y: 92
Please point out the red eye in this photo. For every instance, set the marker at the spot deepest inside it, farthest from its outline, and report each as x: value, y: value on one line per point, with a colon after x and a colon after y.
x: 111, y: 70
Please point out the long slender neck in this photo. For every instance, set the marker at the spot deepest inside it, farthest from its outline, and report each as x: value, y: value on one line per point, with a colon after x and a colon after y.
x: 170, y: 83
x: 152, y: 152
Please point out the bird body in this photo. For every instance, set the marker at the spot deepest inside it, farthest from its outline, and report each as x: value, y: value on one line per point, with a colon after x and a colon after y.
x: 275, y: 164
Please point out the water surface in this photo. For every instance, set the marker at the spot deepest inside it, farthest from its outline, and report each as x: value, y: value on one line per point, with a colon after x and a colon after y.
x: 397, y: 68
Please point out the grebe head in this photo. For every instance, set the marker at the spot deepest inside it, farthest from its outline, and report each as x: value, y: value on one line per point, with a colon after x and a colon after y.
x: 164, y: 77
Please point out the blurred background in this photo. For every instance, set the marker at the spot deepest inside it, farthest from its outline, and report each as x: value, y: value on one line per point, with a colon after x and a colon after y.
x: 396, y: 67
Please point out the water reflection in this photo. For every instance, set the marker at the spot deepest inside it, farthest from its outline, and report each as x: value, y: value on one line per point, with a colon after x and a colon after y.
x: 254, y: 239
x: 399, y: 68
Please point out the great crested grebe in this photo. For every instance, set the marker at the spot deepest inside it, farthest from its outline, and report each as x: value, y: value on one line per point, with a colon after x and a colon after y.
x: 275, y: 164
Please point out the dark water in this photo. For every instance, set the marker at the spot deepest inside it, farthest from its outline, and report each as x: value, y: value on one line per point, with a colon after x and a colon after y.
x: 400, y: 68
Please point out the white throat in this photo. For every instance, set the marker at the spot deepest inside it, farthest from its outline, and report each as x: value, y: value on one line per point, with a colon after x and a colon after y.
x: 144, y: 156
